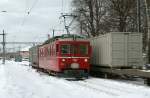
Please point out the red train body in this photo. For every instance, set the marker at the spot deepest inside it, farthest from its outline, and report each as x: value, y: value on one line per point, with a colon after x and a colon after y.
x: 69, y: 55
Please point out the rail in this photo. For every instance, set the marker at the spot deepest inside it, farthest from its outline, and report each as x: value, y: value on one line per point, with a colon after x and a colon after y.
x: 129, y: 72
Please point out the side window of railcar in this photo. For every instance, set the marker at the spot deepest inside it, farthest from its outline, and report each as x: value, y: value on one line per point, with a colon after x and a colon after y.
x: 48, y: 49
x: 46, y: 52
x: 41, y: 52
x: 52, y: 49
x: 83, y: 49
x: 65, y: 49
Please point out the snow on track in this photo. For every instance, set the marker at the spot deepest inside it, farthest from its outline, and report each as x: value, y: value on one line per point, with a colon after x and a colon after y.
x: 114, y: 88
x: 19, y: 81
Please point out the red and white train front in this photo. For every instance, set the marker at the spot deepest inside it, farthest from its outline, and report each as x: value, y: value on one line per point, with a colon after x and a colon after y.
x: 74, y: 57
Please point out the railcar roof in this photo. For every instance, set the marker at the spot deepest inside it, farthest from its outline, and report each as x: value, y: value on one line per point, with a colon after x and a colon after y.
x: 65, y: 36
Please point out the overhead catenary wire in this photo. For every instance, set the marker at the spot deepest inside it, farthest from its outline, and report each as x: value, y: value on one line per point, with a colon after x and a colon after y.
x: 32, y: 7
x: 53, y: 29
x: 62, y: 11
x: 62, y: 6
x: 24, y: 17
x: 77, y: 26
x: 27, y: 12
x: 66, y: 16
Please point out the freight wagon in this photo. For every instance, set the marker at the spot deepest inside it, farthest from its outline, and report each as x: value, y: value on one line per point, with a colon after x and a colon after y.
x: 118, y: 53
x: 34, y: 56
x: 117, y: 50
x: 18, y: 58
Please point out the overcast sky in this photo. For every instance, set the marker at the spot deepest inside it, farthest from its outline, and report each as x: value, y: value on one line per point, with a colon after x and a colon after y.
x: 44, y: 16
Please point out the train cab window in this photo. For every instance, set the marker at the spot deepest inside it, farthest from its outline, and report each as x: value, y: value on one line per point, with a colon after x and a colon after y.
x: 73, y: 49
x: 83, y: 49
x: 57, y: 47
x: 65, y: 49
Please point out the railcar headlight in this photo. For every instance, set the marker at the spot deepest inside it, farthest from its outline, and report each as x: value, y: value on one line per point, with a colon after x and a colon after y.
x: 74, y: 65
x: 85, y: 60
x: 63, y: 60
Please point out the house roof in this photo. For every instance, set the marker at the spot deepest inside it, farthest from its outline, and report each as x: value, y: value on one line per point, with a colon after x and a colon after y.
x: 25, y: 48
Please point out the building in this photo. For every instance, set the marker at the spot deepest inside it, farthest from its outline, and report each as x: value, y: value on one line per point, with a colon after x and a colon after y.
x: 24, y: 52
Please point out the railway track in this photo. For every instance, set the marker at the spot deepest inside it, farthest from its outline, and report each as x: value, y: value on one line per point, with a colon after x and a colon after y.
x: 85, y: 84
x: 118, y: 89
x: 112, y: 88
x: 100, y: 86
x: 93, y: 87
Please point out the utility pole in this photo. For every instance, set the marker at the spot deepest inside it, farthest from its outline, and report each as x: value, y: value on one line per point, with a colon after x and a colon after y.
x: 53, y: 33
x: 3, y: 43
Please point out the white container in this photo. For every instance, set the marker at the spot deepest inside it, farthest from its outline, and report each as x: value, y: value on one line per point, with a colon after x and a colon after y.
x: 117, y: 49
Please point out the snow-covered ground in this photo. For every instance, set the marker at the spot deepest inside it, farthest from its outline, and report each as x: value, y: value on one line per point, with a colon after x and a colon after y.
x: 19, y: 81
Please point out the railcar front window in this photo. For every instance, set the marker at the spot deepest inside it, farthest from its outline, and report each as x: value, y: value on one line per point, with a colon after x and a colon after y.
x: 65, y: 49
x: 73, y: 49
x: 83, y: 49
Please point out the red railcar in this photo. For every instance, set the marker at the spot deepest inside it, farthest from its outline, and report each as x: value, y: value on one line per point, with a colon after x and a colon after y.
x: 67, y: 54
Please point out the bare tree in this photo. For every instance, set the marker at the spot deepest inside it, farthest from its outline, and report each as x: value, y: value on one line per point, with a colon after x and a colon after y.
x: 100, y: 16
x: 121, y: 12
x: 91, y: 15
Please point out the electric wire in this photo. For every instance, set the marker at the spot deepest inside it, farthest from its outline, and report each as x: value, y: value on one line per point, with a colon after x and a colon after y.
x: 24, y: 18
x: 32, y: 7
x: 60, y: 23
x: 27, y: 12
x: 62, y: 6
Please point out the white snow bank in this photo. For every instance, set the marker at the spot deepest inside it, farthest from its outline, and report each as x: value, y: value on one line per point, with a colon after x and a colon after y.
x: 19, y: 81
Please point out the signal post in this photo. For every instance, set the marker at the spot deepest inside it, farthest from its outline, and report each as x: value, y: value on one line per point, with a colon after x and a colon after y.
x: 3, y: 43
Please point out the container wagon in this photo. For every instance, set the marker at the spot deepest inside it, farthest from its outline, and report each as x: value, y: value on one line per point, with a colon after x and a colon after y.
x: 18, y: 58
x: 117, y: 50
x: 118, y: 53
x: 34, y: 56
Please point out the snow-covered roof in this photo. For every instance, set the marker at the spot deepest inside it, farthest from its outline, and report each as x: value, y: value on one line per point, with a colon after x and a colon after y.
x: 25, y: 48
